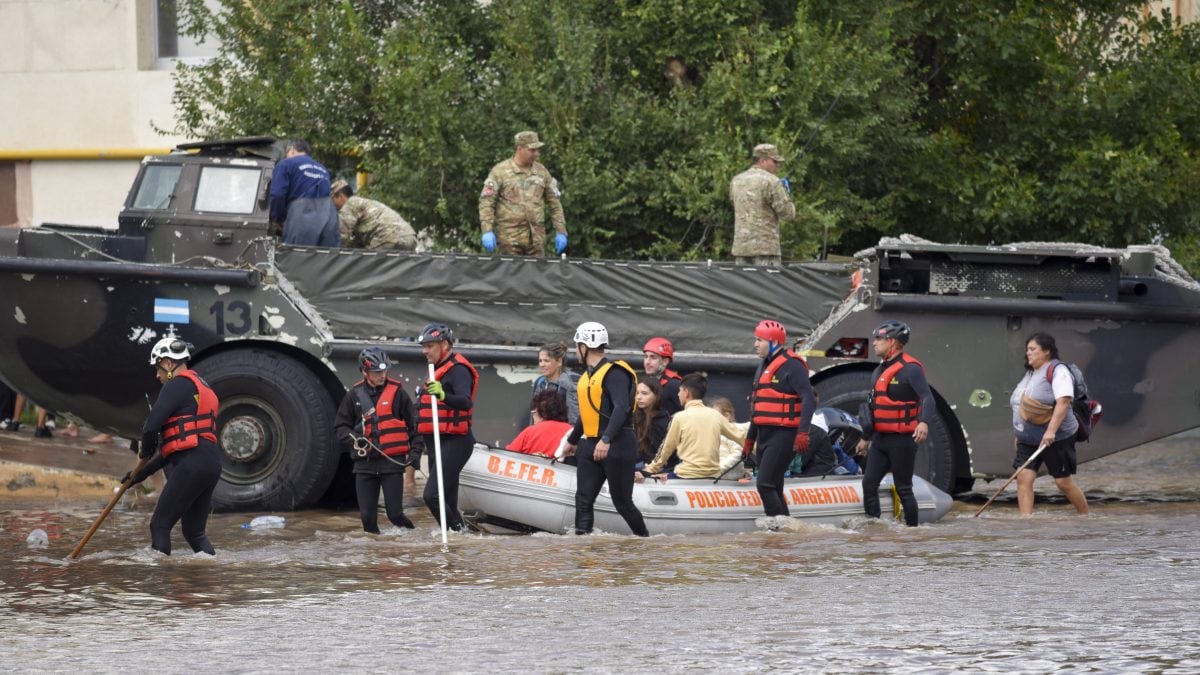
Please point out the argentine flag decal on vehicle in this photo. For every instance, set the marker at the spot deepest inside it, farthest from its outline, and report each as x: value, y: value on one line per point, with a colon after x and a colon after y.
x: 170, y: 311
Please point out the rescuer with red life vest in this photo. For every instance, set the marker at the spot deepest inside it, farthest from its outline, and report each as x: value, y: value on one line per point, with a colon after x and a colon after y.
x: 900, y: 404
x: 781, y: 409
x: 657, y: 356
x: 180, y: 435
x: 454, y: 383
x: 377, y: 424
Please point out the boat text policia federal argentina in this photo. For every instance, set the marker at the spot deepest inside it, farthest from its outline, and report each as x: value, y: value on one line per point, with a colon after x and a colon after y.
x: 276, y: 328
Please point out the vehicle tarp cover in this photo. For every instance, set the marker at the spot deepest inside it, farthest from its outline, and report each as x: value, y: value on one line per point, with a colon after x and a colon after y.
x: 498, y: 300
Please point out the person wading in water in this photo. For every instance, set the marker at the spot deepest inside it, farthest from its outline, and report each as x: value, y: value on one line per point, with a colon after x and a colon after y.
x: 607, y: 447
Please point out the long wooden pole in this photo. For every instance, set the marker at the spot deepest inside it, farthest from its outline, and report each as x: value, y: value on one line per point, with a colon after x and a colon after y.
x: 1011, y: 479
x: 107, y: 509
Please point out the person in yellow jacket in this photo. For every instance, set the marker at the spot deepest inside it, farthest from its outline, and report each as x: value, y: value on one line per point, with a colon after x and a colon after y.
x: 603, y: 440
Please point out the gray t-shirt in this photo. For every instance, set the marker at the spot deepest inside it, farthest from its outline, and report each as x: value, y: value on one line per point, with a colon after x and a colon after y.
x: 1035, y: 386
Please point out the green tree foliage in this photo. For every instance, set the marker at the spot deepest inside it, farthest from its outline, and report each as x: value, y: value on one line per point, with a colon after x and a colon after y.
x: 1059, y: 121
x: 960, y: 120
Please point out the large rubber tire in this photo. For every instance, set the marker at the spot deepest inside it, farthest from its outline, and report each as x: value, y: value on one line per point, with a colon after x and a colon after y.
x: 275, y: 428
x: 935, y: 457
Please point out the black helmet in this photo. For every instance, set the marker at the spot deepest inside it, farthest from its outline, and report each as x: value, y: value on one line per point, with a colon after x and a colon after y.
x: 893, y: 329
x: 436, y: 332
x: 373, y: 360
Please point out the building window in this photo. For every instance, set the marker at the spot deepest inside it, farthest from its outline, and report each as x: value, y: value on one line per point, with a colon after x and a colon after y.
x: 169, y: 44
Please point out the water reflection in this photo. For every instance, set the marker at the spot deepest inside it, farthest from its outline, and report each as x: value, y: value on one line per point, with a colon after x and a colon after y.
x: 1110, y: 592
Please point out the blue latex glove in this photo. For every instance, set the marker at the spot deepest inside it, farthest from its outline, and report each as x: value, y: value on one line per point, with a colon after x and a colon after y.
x: 787, y: 185
x: 434, y: 388
x: 560, y: 243
x: 489, y: 241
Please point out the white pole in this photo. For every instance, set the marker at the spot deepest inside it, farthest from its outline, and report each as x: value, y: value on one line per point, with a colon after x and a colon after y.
x: 441, y: 468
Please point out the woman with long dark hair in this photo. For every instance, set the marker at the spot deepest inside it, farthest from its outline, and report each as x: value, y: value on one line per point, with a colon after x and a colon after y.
x: 650, y: 420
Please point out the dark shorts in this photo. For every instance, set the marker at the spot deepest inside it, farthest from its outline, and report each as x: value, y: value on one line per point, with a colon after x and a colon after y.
x: 1059, y: 458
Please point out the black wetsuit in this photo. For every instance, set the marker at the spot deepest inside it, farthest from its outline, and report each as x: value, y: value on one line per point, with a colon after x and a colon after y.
x: 377, y: 471
x: 897, y: 452
x: 457, y: 384
x: 616, y: 423
x: 192, y: 474
x: 776, y: 444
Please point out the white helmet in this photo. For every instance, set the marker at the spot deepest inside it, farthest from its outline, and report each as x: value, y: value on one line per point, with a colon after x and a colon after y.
x: 170, y: 348
x: 591, y: 334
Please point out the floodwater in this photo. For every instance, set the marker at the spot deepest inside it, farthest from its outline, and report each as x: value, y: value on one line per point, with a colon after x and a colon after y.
x: 1111, y: 592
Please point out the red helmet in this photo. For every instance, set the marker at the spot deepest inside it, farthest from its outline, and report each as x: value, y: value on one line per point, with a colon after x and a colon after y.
x: 660, y: 346
x: 771, y: 331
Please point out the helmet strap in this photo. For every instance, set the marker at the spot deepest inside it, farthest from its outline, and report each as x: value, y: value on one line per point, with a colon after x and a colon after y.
x: 588, y: 354
x: 893, y: 349
x: 170, y: 372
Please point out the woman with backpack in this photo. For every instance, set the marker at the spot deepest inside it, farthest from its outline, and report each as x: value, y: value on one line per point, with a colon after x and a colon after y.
x: 1042, y: 415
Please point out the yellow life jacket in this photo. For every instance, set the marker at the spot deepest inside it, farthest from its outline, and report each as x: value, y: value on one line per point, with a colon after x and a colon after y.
x: 591, y: 392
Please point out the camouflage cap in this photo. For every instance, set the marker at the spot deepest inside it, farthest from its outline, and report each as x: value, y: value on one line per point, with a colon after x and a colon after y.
x: 767, y: 150
x: 338, y: 185
x: 528, y: 139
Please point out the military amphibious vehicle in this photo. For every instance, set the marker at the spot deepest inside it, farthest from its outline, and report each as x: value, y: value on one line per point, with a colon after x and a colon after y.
x: 277, y: 328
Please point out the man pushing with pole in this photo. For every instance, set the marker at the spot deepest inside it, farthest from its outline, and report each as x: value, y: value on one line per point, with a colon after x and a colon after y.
x: 446, y: 424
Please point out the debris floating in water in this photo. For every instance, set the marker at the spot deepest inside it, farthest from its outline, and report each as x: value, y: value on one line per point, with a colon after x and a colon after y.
x: 38, y: 539
x: 264, y: 523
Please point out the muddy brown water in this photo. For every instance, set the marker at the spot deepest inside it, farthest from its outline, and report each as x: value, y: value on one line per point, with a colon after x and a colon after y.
x: 1112, y: 592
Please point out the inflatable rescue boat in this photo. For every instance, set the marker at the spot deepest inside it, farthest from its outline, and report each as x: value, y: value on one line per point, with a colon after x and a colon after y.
x: 510, y: 488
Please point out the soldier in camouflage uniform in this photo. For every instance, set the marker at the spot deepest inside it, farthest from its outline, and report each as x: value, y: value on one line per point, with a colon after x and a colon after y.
x: 366, y: 223
x: 512, y: 205
x: 760, y: 201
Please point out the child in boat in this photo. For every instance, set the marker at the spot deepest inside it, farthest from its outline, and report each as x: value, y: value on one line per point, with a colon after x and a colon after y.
x: 549, y: 425
x: 730, y: 451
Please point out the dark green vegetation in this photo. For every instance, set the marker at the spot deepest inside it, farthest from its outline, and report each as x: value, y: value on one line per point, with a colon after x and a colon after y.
x: 974, y: 121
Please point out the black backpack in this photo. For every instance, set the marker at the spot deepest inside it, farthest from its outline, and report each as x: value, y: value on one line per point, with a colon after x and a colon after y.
x: 1087, y: 411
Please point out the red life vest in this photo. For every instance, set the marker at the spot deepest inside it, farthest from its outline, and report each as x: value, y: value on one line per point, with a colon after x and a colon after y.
x: 666, y: 376
x: 385, y: 427
x: 769, y: 406
x: 450, y: 421
x: 893, y: 416
x: 183, y: 432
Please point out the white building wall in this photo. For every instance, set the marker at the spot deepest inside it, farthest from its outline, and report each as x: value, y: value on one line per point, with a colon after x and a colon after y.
x: 78, y: 76
x: 79, y: 193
